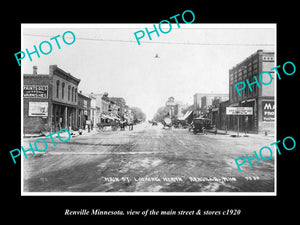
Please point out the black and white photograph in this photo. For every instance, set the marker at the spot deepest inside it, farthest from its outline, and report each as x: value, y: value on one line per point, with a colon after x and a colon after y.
x: 149, y: 109
x: 149, y: 113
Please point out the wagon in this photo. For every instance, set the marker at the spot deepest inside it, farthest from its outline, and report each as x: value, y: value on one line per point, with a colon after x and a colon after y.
x: 108, y: 121
x: 200, y: 124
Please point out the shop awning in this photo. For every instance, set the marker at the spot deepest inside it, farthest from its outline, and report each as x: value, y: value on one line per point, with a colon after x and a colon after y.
x: 103, y: 116
x: 234, y: 104
x: 186, y: 115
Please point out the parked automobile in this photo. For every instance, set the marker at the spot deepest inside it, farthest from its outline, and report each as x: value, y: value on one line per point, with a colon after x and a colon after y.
x: 177, y: 123
x: 200, y: 124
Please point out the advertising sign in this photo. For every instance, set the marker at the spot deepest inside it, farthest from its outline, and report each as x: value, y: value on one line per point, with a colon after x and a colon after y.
x: 35, y: 91
x: 268, y: 111
x: 239, y: 110
x: 38, y: 109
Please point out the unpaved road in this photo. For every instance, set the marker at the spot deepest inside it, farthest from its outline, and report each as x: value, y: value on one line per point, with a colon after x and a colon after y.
x: 149, y: 159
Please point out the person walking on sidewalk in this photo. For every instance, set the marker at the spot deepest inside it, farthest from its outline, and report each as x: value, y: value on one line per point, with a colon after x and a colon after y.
x: 204, y: 131
x: 215, y: 129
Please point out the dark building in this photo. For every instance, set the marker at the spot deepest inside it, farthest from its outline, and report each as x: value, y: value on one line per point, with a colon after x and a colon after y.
x: 260, y: 99
x: 49, y: 101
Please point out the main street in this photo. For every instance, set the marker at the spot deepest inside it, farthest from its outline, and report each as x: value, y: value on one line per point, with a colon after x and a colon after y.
x: 149, y: 159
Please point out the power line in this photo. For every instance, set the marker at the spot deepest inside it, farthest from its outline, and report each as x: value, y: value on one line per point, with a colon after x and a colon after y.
x: 159, y: 42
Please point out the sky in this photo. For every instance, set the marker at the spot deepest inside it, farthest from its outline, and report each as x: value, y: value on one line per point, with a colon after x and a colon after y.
x: 194, y: 58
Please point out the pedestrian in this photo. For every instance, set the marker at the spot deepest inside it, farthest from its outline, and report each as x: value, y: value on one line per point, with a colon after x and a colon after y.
x: 204, y: 130
x: 215, y: 129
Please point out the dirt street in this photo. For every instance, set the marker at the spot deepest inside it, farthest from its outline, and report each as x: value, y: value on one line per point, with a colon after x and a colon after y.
x: 149, y: 159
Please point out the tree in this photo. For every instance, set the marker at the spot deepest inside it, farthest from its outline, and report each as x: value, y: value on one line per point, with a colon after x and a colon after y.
x: 138, y: 114
x: 161, y: 113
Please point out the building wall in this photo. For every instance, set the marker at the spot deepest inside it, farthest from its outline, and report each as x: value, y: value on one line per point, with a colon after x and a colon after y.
x: 197, y: 101
x: 68, y: 94
x: 37, y: 124
x: 267, y: 65
x: 104, y: 106
x: 84, y: 104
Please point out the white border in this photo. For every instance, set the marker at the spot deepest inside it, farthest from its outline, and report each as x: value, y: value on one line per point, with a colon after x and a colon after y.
x: 190, y: 26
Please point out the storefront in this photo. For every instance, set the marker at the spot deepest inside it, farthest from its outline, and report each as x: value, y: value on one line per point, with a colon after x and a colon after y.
x: 64, y: 116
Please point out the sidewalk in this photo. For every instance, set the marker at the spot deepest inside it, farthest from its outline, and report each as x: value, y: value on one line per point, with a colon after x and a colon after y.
x: 62, y: 134
x: 241, y: 134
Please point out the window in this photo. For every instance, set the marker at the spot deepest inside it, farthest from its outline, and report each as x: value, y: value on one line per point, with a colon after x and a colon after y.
x: 75, y: 94
x: 72, y: 93
x: 69, y: 88
x: 62, y: 90
x: 57, y: 88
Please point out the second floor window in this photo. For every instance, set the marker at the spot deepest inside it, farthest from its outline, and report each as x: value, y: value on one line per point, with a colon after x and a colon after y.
x: 62, y: 90
x: 69, y: 88
x: 57, y: 88
x: 72, y: 93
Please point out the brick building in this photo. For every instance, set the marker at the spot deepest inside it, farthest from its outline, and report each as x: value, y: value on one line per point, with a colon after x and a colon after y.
x: 260, y: 99
x: 49, y: 101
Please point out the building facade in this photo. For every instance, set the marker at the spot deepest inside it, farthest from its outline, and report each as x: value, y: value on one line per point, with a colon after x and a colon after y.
x: 120, y: 102
x: 203, y: 101
x: 93, y: 111
x: 102, y: 105
x: 260, y: 99
x: 84, y: 105
x: 49, y: 101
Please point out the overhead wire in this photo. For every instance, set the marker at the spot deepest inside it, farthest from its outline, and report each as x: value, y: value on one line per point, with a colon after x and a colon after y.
x: 160, y: 42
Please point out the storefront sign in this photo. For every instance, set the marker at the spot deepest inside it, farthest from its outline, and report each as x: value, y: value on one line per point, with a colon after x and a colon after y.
x: 239, y: 111
x: 38, y: 109
x: 35, y: 91
x: 268, y: 111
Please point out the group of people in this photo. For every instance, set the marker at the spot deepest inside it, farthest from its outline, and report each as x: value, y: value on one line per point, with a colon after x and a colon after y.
x: 124, y: 123
x: 127, y: 120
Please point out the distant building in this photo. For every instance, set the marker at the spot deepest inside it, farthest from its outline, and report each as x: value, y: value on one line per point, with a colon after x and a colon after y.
x: 108, y: 106
x: 203, y: 100
x: 49, y: 101
x: 93, y: 110
x: 120, y: 102
x: 113, y: 108
x: 84, y: 105
x: 102, y: 104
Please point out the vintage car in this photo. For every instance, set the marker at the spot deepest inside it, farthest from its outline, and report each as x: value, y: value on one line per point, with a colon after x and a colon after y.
x: 200, y: 124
